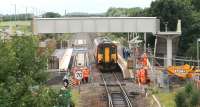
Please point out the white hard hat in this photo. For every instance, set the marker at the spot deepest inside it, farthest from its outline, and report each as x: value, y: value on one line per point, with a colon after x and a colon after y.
x: 65, y: 77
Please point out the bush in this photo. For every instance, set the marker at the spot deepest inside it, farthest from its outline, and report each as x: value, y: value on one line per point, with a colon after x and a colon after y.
x: 189, y: 97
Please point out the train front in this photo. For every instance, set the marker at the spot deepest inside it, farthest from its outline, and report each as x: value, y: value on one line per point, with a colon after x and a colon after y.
x: 106, y: 55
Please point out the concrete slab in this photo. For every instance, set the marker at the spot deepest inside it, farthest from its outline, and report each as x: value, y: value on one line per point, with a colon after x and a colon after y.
x: 123, y: 65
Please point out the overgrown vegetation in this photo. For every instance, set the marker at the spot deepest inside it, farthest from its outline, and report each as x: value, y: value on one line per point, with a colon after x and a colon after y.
x: 23, y: 76
x: 166, y: 99
x: 189, y: 97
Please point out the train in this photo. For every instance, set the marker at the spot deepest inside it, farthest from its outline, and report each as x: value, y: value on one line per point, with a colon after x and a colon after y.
x: 105, y: 54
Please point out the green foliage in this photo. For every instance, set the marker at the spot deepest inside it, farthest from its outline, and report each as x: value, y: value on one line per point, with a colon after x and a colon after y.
x: 166, y: 99
x: 170, y: 11
x: 22, y: 69
x: 51, y: 15
x: 196, y: 4
x: 117, y: 12
x: 192, y: 33
x: 189, y: 97
x: 18, y: 17
x: 119, y: 37
x: 180, y: 98
x: 45, y: 98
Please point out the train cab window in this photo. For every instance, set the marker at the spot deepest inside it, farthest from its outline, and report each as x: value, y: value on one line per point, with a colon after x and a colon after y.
x: 113, y: 50
x: 100, y: 50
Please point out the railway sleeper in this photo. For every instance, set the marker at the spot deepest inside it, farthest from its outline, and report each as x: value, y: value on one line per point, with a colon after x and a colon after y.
x: 118, y: 99
x: 112, y: 84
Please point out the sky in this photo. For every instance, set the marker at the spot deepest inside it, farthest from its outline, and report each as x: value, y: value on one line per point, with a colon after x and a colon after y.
x: 89, y: 6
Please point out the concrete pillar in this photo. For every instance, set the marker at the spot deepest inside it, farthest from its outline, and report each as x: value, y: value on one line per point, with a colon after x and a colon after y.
x: 129, y: 40
x: 155, y: 46
x: 169, y: 51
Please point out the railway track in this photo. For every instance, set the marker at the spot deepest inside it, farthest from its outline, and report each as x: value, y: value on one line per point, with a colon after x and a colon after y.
x: 117, y: 96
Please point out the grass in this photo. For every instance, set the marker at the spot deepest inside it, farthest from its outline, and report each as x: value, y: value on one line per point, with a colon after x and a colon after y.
x: 13, y: 23
x: 75, y: 97
x: 23, y: 26
x: 167, y: 99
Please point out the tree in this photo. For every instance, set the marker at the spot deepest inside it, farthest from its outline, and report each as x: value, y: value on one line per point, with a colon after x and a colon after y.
x: 196, y: 4
x: 21, y: 70
x: 188, y: 40
x: 117, y: 12
x: 51, y: 15
x: 170, y: 11
x: 27, y: 16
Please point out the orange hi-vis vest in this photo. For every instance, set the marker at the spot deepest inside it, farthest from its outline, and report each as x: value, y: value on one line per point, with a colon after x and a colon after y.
x: 86, y: 73
x: 144, y: 57
x: 145, y: 61
x: 143, y: 76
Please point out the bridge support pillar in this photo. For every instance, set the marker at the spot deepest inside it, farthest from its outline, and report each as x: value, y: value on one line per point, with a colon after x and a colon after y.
x: 169, y: 51
x: 169, y: 36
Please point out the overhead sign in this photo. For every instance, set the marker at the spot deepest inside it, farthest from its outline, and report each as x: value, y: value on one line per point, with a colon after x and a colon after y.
x: 79, y: 75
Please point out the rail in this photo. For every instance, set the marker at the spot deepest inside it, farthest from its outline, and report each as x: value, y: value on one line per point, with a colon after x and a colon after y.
x: 123, y: 91
x: 111, y: 95
x: 108, y: 93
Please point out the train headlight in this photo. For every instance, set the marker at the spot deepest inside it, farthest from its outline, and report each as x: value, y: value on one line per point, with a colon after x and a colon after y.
x: 100, y: 60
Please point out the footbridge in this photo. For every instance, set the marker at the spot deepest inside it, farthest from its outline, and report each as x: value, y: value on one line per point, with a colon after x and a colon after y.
x: 95, y: 24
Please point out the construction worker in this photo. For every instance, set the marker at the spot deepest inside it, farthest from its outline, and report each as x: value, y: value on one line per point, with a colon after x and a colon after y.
x: 144, y: 59
x: 138, y: 77
x: 147, y: 79
x: 66, y: 81
x: 142, y: 76
x: 86, y: 74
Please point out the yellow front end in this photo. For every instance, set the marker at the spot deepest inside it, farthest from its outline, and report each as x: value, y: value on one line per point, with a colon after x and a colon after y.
x: 100, y: 58
x: 114, y: 57
x: 107, y: 54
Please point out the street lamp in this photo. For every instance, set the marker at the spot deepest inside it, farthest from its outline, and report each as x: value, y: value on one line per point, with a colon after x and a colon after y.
x: 198, y: 40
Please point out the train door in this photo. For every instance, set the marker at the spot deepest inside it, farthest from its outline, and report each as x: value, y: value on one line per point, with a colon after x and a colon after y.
x: 107, y: 54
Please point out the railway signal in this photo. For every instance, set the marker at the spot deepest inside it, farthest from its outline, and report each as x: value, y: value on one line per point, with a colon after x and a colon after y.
x: 79, y: 75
